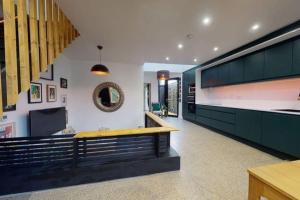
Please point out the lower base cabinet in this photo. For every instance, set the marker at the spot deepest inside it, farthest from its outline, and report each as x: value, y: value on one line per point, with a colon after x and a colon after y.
x: 186, y: 114
x: 189, y: 116
x: 248, y: 125
x: 278, y: 131
x: 220, y: 125
x: 219, y: 118
x: 281, y: 132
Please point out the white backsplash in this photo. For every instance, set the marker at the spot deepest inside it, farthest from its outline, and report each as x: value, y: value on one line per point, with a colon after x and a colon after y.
x: 266, y: 95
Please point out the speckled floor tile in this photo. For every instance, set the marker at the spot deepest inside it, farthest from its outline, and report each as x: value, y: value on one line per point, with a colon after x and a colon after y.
x: 213, y: 167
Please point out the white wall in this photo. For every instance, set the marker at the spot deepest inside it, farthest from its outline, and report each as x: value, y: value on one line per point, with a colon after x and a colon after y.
x: 20, y: 116
x: 151, y: 77
x: 85, y: 116
x: 265, y: 95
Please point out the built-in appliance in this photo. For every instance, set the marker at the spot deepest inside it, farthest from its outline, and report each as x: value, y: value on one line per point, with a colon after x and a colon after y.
x: 47, y: 121
x: 191, y: 98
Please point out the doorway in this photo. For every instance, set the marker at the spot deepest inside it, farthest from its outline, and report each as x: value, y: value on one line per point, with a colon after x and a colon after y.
x: 172, y: 96
x: 147, y: 96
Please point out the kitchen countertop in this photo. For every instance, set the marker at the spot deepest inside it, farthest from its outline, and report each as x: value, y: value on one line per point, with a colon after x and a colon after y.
x: 275, y: 110
x: 164, y: 127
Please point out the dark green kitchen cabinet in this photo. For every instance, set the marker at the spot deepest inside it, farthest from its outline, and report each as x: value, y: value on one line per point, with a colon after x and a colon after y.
x: 296, y: 57
x: 224, y: 74
x: 220, y: 118
x: 214, y: 77
x: 192, y: 76
x: 248, y: 125
x: 281, y: 132
x: 237, y: 71
x: 278, y: 61
x: 254, y: 66
x: 185, y: 86
x: 275, y: 62
x: 210, y: 77
x: 184, y: 108
x: 204, y: 78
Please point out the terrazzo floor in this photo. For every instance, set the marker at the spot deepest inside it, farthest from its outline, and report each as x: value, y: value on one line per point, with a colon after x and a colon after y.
x: 213, y: 167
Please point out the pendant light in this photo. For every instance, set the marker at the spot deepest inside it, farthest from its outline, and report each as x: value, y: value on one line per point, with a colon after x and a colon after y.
x: 163, y: 75
x: 100, y: 69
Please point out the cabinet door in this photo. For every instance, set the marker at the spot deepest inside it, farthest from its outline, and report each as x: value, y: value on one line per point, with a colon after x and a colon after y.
x: 209, y: 77
x: 254, y: 66
x: 224, y: 74
x: 184, y: 109
x: 237, y: 71
x: 272, y: 131
x: 248, y: 125
x: 214, y: 77
x: 296, y: 56
x: 278, y: 61
x: 204, y: 78
x: 192, y: 76
x: 185, y: 86
x: 281, y: 132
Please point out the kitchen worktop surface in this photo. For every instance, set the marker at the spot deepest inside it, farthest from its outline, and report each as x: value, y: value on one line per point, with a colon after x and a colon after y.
x: 274, y: 110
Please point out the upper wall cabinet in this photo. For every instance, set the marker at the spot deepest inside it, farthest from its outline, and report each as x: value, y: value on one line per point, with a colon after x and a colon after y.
x: 210, y: 77
x: 279, y: 61
x: 223, y: 74
x: 237, y: 71
x: 296, y: 56
x: 254, y: 66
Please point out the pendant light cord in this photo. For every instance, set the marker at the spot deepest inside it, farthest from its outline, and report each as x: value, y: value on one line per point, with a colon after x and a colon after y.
x: 100, y: 56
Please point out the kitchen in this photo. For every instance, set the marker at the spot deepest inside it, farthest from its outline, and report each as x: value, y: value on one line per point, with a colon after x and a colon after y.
x: 251, y: 93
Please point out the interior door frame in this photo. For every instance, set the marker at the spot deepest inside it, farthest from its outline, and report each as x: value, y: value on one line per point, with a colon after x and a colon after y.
x: 166, y: 95
x: 148, y: 85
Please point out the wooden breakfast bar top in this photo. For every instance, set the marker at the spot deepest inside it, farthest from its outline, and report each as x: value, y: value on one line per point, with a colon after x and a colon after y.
x: 275, y: 182
x: 164, y: 127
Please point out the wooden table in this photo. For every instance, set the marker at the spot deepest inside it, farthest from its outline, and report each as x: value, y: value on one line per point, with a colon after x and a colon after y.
x: 275, y: 182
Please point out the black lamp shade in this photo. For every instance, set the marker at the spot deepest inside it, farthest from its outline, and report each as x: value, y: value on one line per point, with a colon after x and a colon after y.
x: 163, y: 75
x: 100, y: 69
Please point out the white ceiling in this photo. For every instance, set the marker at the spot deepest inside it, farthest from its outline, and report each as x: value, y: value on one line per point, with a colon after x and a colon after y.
x: 176, y: 68
x: 140, y: 31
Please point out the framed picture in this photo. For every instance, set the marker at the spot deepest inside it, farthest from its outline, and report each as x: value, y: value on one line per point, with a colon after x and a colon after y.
x: 64, y: 100
x: 35, y: 93
x: 7, y: 130
x: 49, y: 74
x: 9, y: 108
x: 51, y: 93
x: 63, y: 83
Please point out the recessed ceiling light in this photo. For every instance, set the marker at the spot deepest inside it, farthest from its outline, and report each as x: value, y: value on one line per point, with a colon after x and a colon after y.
x: 216, y: 48
x: 206, y: 21
x: 255, y: 27
x: 180, y: 46
x: 195, y: 60
x: 167, y: 58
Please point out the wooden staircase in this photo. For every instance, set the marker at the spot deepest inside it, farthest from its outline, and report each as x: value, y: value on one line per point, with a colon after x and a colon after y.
x: 31, y: 38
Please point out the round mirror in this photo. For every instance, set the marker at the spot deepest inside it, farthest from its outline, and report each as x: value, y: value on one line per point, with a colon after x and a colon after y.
x: 108, y: 97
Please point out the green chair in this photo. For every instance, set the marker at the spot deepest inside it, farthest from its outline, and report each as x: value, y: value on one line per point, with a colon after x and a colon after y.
x: 156, y: 109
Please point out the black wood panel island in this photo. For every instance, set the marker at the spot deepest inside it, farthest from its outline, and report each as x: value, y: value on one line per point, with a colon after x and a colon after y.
x: 37, y: 163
